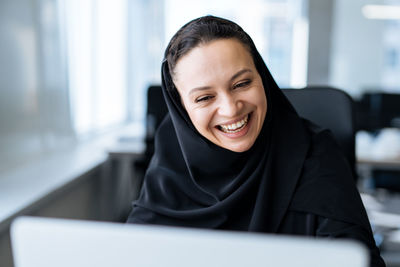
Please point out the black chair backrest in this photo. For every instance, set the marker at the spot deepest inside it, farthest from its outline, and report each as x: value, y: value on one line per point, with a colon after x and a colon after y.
x: 156, y: 109
x: 329, y: 108
x: 377, y: 110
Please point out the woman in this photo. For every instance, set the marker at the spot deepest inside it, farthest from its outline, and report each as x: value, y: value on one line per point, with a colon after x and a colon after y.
x: 233, y: 154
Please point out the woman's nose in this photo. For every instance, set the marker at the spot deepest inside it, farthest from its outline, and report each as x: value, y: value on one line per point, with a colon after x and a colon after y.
x: 229, y: 106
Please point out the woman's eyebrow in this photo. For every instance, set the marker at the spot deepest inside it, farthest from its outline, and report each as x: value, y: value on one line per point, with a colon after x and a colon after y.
x: 240, y: 72
x: 202, y: 88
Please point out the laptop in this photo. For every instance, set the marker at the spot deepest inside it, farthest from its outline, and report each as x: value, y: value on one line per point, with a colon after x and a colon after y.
x: 45, y: 242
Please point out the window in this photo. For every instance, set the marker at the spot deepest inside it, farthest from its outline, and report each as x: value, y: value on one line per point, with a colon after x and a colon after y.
x: 391, y: 64
x: 34, y: 110
x: 96, y: 45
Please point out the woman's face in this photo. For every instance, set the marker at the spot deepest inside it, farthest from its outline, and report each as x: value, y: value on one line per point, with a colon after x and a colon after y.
x: 223, y: 93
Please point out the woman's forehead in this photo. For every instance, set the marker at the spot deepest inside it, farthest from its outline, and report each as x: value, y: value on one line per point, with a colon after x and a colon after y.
x: 215, y: 61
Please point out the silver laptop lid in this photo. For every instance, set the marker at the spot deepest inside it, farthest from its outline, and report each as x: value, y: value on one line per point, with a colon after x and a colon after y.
x: 43, y: 242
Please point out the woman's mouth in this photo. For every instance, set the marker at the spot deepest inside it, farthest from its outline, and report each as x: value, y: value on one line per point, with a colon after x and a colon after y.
x: 234, y: 127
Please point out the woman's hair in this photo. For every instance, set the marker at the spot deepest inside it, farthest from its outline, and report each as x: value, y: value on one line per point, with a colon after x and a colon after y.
x: 201, y: 31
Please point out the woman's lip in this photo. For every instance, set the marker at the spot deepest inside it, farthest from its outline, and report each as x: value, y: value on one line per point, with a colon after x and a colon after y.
x: 240, y: 133
x: 233, y: 121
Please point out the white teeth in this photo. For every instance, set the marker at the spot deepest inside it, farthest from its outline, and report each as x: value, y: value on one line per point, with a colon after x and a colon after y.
x: 235, y: 127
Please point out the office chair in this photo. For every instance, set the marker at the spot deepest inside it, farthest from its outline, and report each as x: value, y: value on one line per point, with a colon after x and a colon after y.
x: 156, y: 111
x: 329, y: 108
x: 377, y: 110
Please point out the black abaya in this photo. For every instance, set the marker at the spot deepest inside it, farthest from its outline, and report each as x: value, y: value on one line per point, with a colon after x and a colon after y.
x: 293, y: 180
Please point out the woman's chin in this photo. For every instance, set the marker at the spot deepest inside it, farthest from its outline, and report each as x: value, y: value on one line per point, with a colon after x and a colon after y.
x: 236, y: 145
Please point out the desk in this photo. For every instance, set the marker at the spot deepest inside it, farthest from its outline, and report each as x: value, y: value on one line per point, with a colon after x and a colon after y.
x: 383, y: 208
x: 386, y: 164
x: 365, y: 166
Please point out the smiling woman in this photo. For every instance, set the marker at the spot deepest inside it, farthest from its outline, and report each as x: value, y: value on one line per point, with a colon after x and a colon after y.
x: 233, y: 154
x: 223, y: 93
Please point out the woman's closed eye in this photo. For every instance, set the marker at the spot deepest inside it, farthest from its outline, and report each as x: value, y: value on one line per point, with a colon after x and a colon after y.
x: 242, y: 84
x: 203, y: 98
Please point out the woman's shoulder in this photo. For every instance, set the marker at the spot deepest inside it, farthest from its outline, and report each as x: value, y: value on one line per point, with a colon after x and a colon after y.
x: 325, y: 161
x: 321, y: 138
x: 326, y: 186
x: 324, y: 148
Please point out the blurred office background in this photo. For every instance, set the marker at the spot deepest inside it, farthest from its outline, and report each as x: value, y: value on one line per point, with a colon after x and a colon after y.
x: 74, y: 76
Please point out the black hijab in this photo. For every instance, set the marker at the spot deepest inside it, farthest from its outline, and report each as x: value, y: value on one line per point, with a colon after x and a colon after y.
x: 194, y: 183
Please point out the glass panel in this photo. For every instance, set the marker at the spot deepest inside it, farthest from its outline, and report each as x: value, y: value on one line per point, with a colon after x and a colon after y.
x: 391, y: 63
x: 34, y: 111
x: 366, y: 46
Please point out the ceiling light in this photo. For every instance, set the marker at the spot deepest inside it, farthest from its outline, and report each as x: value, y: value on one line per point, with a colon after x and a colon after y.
x: 381, y: 11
